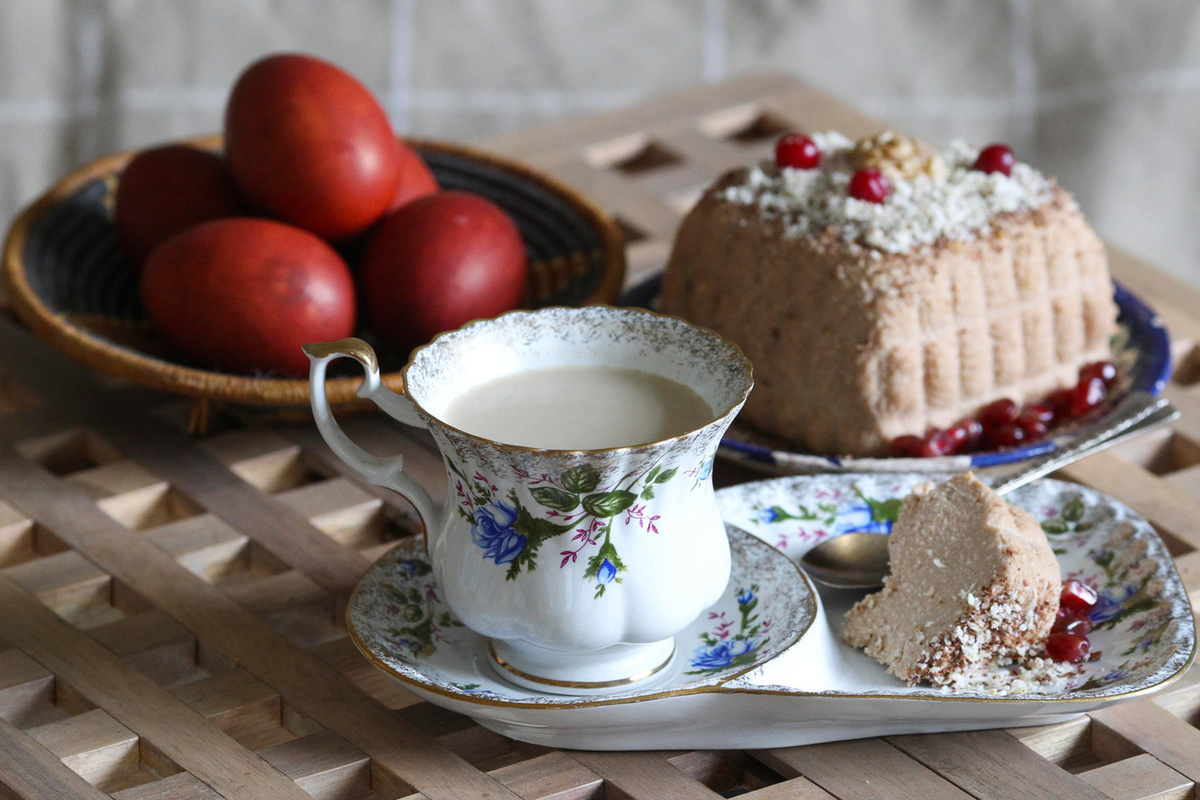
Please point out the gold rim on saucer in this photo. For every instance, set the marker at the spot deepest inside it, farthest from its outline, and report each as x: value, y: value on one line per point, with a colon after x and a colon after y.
x: 641, y: 676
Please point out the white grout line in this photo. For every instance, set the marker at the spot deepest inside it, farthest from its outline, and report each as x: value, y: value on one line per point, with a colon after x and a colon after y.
x: 398, y: 100
x: 89, y: 61
x: 713, y: 36
x: 1025, y: 97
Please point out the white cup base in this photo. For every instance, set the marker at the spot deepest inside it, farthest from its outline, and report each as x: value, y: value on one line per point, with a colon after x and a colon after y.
x: 603, y: 671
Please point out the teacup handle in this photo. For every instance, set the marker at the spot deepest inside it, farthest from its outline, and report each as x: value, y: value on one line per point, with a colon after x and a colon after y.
x: 385, y: 472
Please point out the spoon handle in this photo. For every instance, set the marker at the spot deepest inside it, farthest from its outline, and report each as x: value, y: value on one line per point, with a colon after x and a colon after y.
x: 1138, y: 412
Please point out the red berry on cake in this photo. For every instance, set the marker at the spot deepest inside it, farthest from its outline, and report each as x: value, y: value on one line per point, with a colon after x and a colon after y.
x: 995, y: 158
x: 798, y: 151
x: 870, y: 185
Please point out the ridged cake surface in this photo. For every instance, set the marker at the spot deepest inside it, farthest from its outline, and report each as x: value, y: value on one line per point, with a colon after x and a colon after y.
x: 867, y: 321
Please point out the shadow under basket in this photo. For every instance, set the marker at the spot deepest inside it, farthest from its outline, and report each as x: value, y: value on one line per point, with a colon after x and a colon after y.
x: 69, y: 281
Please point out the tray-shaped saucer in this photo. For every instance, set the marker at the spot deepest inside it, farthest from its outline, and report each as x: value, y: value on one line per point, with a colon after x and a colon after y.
x: 793, y: 681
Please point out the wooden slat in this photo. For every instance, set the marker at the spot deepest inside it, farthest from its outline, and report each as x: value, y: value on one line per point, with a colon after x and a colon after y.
x: 1141, y: 777
x: 867, y: 769
x: 644, y: 775
x: 994, y: 764
x: 1156, y: 731
x: 32, y: 771
x: 305, y: 682
x: 136, y: 702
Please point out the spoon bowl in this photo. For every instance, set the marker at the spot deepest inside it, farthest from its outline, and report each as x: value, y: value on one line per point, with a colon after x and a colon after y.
x: 849, y: 561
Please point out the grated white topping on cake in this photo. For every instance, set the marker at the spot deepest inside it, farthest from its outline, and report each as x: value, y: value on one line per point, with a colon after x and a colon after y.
x: 951, y: 200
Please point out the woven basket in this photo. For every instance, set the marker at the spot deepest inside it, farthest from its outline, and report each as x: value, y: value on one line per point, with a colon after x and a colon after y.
x: 68, y: 280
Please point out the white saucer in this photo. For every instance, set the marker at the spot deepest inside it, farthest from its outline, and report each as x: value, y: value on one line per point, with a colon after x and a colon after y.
x: 794, y: 681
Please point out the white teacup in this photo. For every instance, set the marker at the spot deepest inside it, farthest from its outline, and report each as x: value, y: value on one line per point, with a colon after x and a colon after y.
x: 579, y: 564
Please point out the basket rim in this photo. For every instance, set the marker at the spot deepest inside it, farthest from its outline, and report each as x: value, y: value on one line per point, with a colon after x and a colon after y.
x: 160, y: 374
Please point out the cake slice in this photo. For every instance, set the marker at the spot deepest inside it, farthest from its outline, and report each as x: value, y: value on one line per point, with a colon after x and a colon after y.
x: 973, y: 582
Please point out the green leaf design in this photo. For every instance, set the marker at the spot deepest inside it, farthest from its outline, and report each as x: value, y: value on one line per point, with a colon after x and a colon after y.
x: 550, y: 497
x: 1073, y: 510
x: 885, y: 511
x: 665, y: 475
x: 581, y: 479
x: 608, y: 504
x: 648, y: 493
x: 1054, y: 526
x: 535, y: 531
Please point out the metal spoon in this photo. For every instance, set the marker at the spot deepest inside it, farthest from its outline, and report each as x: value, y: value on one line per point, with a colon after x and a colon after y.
x: 860, y: 560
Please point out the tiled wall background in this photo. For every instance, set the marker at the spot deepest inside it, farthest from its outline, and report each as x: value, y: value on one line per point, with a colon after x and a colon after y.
x: 1101, y: 93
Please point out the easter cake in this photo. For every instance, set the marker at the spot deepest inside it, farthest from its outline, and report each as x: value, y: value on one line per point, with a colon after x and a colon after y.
x: 973, y: 584
x: 882, y: 288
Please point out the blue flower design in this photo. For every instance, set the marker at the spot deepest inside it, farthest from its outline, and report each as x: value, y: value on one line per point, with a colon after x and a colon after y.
x: 768, y: 515
x: 705, y: 470
x: 493, y: 531
x: 607, y: 572
x: 1108, y: 605
x: 745, y: 597
x: 410, y: 647
x: 860, y: 519
x: 721, y: 654
x: 407, y: 568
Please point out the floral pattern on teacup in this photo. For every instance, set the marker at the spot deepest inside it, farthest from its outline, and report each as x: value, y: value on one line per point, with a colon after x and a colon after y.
x: 511, y: 532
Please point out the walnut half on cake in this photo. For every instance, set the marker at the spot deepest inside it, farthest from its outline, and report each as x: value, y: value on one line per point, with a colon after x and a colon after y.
x: 973, y: 582
x: 870, y: 320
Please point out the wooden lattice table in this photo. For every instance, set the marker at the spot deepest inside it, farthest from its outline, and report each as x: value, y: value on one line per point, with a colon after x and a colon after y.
x: 171, y: 609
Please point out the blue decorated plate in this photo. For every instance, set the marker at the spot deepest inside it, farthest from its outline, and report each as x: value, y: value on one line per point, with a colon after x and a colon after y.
x: 1141, y: 350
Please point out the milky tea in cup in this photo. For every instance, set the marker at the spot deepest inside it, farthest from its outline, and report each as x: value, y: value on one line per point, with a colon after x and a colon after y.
x: 579, y: 408
x: 579, y: 531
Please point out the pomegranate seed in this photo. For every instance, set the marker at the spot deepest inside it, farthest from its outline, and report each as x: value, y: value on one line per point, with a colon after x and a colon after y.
x: 995, y: 158
x: 1070, y: 647
x: 965, y: 434
x: 936, y: 443
x: 1059, y: 402
x: 797, y: 150
x: 907, y: 446
x: 1072, y: 624
x: 1043, y: 412
x: 1078, y: 598
x: 1104, y: 370
x: 997, y: 414
x: 1009, y: 435
x: 1032, y: 423
x: 1086, y: 395
x: 870, y: 185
